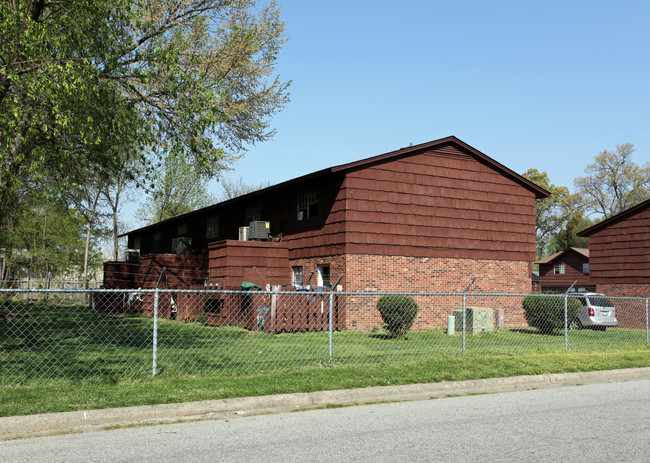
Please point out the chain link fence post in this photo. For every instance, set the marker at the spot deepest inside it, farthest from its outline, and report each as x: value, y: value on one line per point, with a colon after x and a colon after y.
x: 647, y: 327
x: 154, y: 363
x: 566, y: 323
x: 566, y: 315
x: 331, y: 321
x: 465, y: 310
x: 155, y: 333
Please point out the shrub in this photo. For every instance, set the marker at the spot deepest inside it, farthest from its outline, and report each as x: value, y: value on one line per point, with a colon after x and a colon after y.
x: 547, y: 313
x: 398, y: 313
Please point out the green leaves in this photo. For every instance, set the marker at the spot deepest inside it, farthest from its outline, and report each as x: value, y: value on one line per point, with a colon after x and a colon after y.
x: 552, y: 213
x: 613, y: 182
x: 88, y: 86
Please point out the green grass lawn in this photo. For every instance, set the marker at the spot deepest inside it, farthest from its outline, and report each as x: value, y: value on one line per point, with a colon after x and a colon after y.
x: 68, y: 358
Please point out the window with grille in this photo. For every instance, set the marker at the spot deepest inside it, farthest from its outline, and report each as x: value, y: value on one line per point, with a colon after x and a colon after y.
x: 297, y: 276
x: 559, y: 269
x: 307, y: 203
x: 253, y: 214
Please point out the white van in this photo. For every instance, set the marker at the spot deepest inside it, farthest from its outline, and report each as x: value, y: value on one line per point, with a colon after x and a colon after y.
x: 597, y: 312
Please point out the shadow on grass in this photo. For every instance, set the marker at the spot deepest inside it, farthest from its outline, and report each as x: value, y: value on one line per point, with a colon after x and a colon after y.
x: 386, y: 337
x: 535, y: 332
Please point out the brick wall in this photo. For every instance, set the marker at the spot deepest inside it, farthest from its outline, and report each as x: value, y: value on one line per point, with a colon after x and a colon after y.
x: 368, y: 273
x: 398, y: 273
x: 624, y: 290
x: 310, y: 273
x: 629, y: 313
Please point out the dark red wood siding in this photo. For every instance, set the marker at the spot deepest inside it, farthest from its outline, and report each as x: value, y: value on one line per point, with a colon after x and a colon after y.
x: 180, y: 272
x: 232, y: 262
x: 325, y: 234
x: 620, y: 252
x: 439, y: 203
x: 441, y: 200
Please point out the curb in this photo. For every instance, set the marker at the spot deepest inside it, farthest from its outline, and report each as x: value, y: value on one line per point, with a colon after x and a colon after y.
x: 93, y: 420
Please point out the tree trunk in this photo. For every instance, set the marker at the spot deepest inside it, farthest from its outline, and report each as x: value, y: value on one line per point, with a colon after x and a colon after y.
x: 115, y: 240
x: 86, y: 252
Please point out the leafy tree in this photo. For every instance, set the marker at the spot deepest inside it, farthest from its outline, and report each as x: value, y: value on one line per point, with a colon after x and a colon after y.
x: 177, y: 187
x: 613, y: 182
x: 48, y: 239
x: 84, y: 198
x: 115, y: 192
x: 552, y: 213
x: 84, y: 83
x: 567, y: 237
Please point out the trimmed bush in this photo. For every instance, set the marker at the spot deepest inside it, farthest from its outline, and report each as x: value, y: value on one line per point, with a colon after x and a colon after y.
x: 398, y: 313
x: 547, y: 313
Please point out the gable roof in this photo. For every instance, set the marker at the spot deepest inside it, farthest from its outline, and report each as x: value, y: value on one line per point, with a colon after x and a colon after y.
x: 551, y: 258
x: 403, y: 152
x: 615, y: 219
x: 392, y: 155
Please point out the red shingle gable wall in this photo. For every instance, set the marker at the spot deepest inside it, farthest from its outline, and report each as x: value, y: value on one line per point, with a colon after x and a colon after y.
x: 620, y: 253
x: 440, y: 203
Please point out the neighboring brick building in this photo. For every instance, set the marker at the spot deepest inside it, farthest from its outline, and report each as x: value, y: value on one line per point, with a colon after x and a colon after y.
x: 561, y: 270
x: 426, y: 218
x: 619, y: 250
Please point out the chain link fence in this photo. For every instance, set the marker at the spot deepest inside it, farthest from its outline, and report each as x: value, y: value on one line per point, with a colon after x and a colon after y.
x: 113, y: 334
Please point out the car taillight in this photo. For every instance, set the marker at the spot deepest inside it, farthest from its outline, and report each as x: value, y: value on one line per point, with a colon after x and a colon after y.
x: 591, y: 312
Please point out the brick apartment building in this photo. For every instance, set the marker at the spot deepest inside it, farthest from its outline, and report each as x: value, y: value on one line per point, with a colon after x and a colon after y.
x: 425, y: 218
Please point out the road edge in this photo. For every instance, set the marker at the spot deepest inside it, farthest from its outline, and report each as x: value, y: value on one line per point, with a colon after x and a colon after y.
x: 92, y: 420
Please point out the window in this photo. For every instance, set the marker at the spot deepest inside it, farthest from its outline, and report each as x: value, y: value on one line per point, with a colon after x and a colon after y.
x: 307, y: 203
x: 213, y: 306
x: 181, y: 230
x: 323, y: 275
x: 585, y: 268
x: 297, y: 276
x: 559, y: 269
x: 156, y: 242
x: 253, y: 213
x: 137, y: 243
x: 212, y: 227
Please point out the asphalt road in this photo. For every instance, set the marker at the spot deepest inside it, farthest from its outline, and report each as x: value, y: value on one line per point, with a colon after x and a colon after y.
x: 596, y: 422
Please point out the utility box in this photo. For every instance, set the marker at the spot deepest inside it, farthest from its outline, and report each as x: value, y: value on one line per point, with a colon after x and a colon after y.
x: 501, y: 323
x: 477, y: 319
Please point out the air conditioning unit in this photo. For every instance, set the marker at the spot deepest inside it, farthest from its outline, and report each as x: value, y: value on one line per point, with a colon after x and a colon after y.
x: 477, y: 319
x: 132, y: 255
x: 259, y: 230
x: 244, y: 233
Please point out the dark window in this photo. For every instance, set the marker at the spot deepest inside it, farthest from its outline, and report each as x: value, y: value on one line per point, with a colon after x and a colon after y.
x: 212, y: 227
x: 213, y: 306
x: 600, y: 301
x: 253, y: 213
x: 307, y: 203
x: 323, y: 275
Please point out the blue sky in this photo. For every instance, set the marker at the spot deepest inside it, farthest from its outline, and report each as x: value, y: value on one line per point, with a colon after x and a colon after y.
x: 543, y: 84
